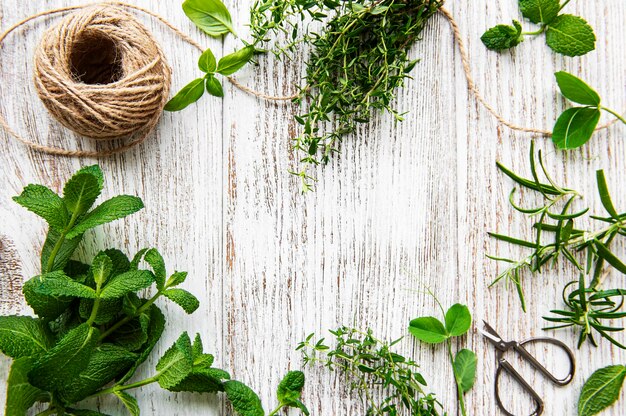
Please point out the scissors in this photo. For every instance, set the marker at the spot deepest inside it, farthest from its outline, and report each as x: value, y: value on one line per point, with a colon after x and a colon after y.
x: 503, y: 365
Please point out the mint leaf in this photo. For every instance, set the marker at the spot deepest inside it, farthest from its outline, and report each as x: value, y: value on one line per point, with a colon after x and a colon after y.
x: 108, y: 310
x: 601, y: 390
x: 233, y: 62
x: 458, y: 320
x: 202, y: 380
x: 245, y: 401
x: 127, y: 282
x: 132, y: 335
x: 188, y: 95
x: 155, y: 260
x: 176, y: 363
x: 502, y: 37
x: 115, y: 208
x: 290, y: 389
x: 465, y: 369
x: 211, y: 16
x: 20, y: 394
x: 57, y: 284
x: 576, y: 90
x: 134, y: 263
x: 539, y: 11
x: 570, y: 35
x: 24, y: 336
x: 82, y: 190
x: 45, y: 203
x: 207, y: 62
x: 101, y: 268
x: 214, y: 86
x: 574, y: 127
x: 197, y: 349
x: 176, y: 278
x: 83, y: 412
x: 49, y: 307
x: 65, y: 360
x: 428, y: 329
x: 184, y: 299
x: 129, y: 401
x: 63, y: 254
x: 105, y: 363
x: 119, y: 261
x: 155, y: 329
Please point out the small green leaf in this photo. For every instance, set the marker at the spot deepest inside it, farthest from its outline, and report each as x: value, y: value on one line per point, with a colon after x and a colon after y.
x: 133, y: 334
x: 574, y: 127
x: 188, y: 95
x: 211, y: 16
x: 570, y: 35
x: 290, y: 388
x: 21, y: 395
x: 101, y: 268
x: 605, y: 196
x: 176, y: 363
x: 45, y: 306
x: 155, y: 260
x: 184, y: 299
x: 611, y: 258
x: 244, y: 400
x: 502, y: 37
x: 233, y: 62
x: 65, y: 360
x: 214, y: 86
x: 134, y: 263
x: 155, y: 329
x: 57, y: 284
x: 108, y: 310
x: 465, y: 369
x: 127, y: 282
x: 129, y: 402
x: 82, y: 190
x: 24, y: 336
x: 458, y: 320
x: 576, y: 90
x: 601, y: 390
x: 539, y: 11
x: 45, y: 203
x: 63, y: 254
x: 428, y: 329
x: 207, y: 62
x: 115, y: 208
x: 176, y: 278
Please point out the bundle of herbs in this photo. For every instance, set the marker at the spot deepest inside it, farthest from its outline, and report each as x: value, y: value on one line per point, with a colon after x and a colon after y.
x: 357, y: 61
x: 93, y: 328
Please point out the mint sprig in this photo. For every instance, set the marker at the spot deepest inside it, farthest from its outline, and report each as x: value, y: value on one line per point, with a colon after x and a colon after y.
x: 576, y: 125
x: 565, y: 33
x: 93, y: 329
x: 601, y: 390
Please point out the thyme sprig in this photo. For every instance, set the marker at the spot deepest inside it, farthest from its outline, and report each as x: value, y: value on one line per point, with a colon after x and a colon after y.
x: 356, y: 63
x: 587, y: 306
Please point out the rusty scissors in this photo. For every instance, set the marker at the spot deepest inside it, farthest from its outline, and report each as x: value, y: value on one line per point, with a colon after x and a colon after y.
x: 504, y: 365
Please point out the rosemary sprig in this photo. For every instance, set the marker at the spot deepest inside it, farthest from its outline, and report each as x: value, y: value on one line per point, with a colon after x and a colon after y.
x: 356, y: 63
x: 587, y: 306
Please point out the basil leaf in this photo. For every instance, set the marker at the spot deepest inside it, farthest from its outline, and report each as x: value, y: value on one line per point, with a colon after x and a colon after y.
x: 576, y: 90
x: 188, y: 95
x: 539, y: 11
x: 233, y: 62
x: 574, y: 127
x: 211, y: 16
x: 601, y: 390
x: 207, y: 62
x: 502, y: 37
x: 570, y: 35
x: 458, y: 320
x: 465, y: 369
x: 214, y: 86
x: 428, y: 329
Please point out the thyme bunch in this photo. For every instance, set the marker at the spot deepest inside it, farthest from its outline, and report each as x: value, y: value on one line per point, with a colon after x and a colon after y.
x: 356, y: 63
x: 373, y: 368
x: 587, y: 306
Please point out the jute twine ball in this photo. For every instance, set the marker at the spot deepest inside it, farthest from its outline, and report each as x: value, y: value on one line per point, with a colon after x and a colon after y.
x: 102, y: 74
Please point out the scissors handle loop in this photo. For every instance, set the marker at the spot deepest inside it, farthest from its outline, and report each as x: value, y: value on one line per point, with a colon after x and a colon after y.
x: 540, y: 367
x: 504, y: 365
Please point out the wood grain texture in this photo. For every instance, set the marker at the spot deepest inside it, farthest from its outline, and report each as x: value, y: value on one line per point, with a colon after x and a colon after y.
x: 406, y: 205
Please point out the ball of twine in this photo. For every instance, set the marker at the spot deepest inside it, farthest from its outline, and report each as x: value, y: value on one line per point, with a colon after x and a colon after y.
x: 102, y: 74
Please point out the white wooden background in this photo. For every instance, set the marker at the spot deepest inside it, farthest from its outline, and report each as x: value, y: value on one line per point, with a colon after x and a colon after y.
x: 405, y: 206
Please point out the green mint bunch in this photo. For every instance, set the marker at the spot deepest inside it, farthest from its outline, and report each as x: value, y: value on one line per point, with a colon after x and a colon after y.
x: 388, y: 383
x: 576, y: 125
x: 93, y: 328
x: 565, y: 33
x: 558, y: 235
x: 213, y: 18
x: 457, y: 321
x: 601, y: 390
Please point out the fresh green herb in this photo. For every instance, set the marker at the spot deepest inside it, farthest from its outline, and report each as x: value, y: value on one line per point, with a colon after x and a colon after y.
x: 458, y: 321
x: 227, y: 65
x: 601, y: 390
x: 357, y: 62
x: 211, y: 16
x: 93, y: 330
x: 565, y: 33
x: 575, y: 126
x: 374, y: 369
x: 557, y: 236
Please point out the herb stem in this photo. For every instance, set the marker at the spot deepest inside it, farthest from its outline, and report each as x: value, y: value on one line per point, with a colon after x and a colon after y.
x: 275, y: 411
x: 123, y: 387
x: 564, y: 4
x: 59, y: 243
x: 128, y: 318
x: 619, y: 116
x: 456, y: 378
x: 536, y: 32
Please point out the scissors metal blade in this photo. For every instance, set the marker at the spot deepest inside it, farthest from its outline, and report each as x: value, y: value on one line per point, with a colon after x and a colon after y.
x: 492, y: 336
